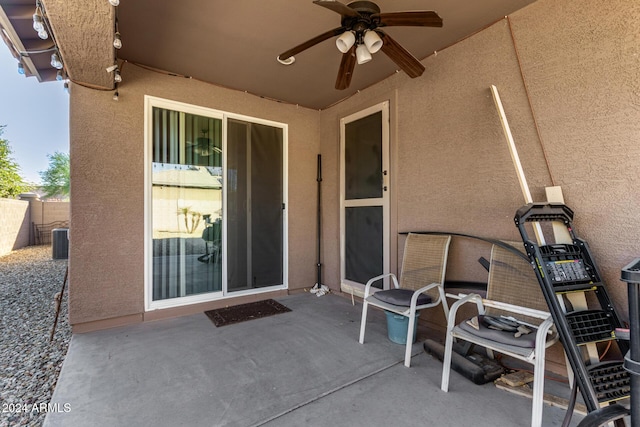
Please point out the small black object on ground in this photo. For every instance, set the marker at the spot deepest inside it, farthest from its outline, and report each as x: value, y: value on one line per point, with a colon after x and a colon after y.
x: 476, y: 367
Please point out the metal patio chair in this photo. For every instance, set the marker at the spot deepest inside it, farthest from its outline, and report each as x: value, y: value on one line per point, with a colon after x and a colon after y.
x: 512, y: 293
x: 211, y: 235
x: 421, y: 284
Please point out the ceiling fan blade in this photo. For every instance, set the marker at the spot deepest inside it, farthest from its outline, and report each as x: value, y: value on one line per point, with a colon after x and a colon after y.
x: 408, y: 19
x: 403, y: 59
x: 309, y: 43
x: 338, y: 7
x: 345, y: 72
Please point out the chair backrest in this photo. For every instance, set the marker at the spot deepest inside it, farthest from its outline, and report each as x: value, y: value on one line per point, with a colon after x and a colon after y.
x: 212, y: 232
x: 424, y: 261
x: 513, y: 281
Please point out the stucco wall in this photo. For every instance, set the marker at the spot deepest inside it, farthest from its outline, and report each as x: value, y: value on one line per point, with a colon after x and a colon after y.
x: 582, y: 64
x: 451, y: 167
x: 107, y: 214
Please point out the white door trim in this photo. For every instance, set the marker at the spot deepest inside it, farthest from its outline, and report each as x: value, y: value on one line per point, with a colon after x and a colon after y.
x: 346, y: 285
x: 149, y: 103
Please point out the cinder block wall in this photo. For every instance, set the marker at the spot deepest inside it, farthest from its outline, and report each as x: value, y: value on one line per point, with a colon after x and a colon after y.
x: 18, y: 215
x: 14, y: 226
x: 47, y: 212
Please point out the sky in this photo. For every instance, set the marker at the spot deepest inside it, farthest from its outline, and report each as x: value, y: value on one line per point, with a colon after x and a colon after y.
x: 36, y: 116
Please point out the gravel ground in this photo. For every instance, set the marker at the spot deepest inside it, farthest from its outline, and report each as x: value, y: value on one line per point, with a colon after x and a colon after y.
x: 29, y: 363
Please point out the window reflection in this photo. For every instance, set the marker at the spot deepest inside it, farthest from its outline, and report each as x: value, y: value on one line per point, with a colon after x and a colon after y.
x: 186, y: 204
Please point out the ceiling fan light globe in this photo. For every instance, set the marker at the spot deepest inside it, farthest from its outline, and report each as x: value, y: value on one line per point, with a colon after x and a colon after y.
x: 362, y: 54
x: 373, y: 41
x: 345, y: 41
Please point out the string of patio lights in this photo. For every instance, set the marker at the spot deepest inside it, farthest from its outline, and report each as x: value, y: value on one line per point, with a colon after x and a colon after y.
x: 42, y: 27
x: 117, y: 44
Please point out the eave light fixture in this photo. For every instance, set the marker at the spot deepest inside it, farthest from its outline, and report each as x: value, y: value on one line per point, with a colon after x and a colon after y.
x: 39, y: 25
x: 20, y: 68
x: 37, y: 21
x: 117, y: 77
x: 114, y: 3
x: 56, y: 62
x: 117, y: 41
x: 42, y: 26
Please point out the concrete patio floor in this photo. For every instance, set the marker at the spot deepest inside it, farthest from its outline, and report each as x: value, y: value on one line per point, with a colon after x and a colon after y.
x: 304, y: 367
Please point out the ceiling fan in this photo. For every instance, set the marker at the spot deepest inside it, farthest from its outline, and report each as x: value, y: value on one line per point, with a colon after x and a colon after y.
x: 360, y: 36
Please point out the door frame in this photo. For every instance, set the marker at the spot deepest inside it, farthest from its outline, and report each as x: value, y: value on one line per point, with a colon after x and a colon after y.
x: 346, y: 285
x: 285, y: 203
x: 150, y: 304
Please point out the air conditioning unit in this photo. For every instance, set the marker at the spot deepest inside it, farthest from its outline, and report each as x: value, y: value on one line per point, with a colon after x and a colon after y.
x: 60, y: 243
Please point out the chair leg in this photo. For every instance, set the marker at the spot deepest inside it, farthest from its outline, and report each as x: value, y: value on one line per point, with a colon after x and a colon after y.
x: 409, y: 346
x: 363, y: 322
x: 446, y: 363
x: 538, y: 393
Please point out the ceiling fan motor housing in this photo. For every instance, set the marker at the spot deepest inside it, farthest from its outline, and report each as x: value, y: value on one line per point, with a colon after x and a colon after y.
x: 363, y: 22
x: 366, y: 7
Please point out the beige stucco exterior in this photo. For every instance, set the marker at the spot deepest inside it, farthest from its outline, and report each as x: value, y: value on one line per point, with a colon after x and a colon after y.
x: 568, y: 75
x: 451, y: 166
x: 107, y: 157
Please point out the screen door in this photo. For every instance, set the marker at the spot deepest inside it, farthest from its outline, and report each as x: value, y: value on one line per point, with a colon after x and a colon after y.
x: 364, y: 213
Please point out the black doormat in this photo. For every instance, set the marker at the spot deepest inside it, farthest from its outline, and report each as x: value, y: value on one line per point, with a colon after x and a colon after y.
x: 249, y: 311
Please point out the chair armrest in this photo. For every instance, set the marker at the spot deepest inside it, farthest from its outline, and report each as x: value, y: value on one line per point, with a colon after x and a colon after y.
x: 531, y: 312
x: 455, y: 296
x: 475, y: 298
x: 424, y: 289
x: 441, y: 298
x: 543, y: 330
x: 418, y: 292
x: 380, y: 277
x: 526, y: 311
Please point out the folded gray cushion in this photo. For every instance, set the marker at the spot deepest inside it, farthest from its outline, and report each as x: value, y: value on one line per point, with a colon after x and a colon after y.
x: 504, y: 337
x: 401, y: 297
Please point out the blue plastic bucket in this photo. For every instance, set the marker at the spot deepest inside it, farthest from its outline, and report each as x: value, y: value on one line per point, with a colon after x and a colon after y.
x: 398, y: 325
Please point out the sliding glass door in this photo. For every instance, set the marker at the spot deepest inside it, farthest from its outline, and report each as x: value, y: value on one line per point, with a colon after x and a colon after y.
x: 186, y: 194
x: 255, y: 205
x: 215, y: 205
